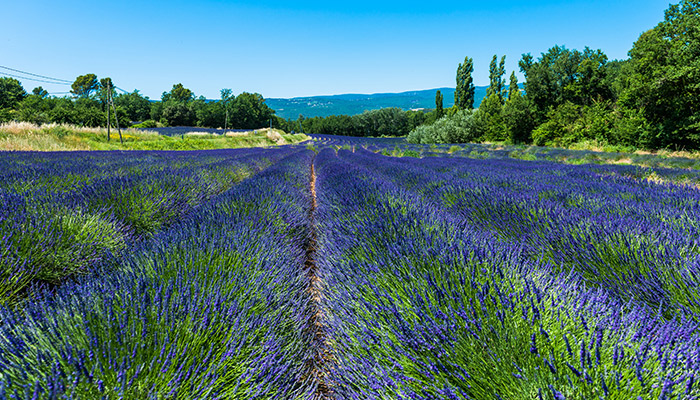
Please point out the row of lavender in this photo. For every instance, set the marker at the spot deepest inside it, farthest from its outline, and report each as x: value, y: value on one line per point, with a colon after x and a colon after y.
x: 62, y: 212
x: 479, y: 279
x: 636, y: 239
x: 214, y: 306
x: 645, y: 166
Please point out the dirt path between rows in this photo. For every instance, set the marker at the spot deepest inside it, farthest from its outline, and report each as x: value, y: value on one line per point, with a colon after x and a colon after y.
x: 320, y: 358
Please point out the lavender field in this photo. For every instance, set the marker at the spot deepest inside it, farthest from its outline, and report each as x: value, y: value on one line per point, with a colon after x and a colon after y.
x: 338, y: 271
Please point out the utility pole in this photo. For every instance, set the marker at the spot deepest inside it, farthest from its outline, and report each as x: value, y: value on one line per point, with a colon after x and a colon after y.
x: 109, y: 120
x: 110, y: 103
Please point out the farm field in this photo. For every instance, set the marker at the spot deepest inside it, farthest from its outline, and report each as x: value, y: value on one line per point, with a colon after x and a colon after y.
x: 346, y: 269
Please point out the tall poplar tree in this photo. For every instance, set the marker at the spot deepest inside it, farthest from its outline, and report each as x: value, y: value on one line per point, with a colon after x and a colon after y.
x: 464, y: 92
x: 513, y: 86
x: 439, y: 111
x: 497, y: 83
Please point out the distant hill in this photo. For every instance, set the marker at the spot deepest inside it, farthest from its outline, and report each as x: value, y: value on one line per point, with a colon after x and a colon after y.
x: 352, y: 104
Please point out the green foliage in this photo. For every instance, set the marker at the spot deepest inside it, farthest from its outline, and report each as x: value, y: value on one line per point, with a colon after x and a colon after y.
x: 383, y: 122
x: 226, y: 98
x: 84, y: 85
x: 665, y: 79
x: 463, y: 127
x: 35, y: 109
x: 40, y: 91
x: 209, y: 113
x: 88, y: 112
x: 149, y: 123
x: 178, y: 93
x: 570, y: 123
x: 60, y: 131
x: 249, y: 111
x: 105, y: 90
x: 518, y: 117
x: 464, y: 92
x: 631, y: 128
x: 497, y: 83
x: 178, y: 114
x: 439, y: 112
x: 6, y: 115
x: 513, y: 88
x: 136, y: 107
x: 563, y: 75
x: 11, y: 92
x: 557, y: 130
x: 490, y: 113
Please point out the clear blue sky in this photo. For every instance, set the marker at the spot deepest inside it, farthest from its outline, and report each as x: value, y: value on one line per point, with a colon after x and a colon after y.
x: 302, y: 48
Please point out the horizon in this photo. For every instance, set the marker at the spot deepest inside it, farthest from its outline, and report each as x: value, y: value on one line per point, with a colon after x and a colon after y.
x: 305, y: 49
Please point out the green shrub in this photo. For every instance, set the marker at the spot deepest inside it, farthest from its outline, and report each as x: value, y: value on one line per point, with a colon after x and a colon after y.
x: 463, y: 127
x: 149, y: 123
x: 59, y: 131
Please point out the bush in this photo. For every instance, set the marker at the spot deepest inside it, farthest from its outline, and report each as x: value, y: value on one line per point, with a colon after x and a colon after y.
x: 6, y: 115
x: 463, y: 127
x: 558, y: 129
x: 149, y: 123
x: 631, y: 128
x: 519, y: 119
x: 490, y: 112
x: 59, y: 131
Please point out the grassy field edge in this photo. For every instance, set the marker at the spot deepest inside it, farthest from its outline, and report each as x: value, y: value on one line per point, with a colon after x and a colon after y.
x: 60, y: 137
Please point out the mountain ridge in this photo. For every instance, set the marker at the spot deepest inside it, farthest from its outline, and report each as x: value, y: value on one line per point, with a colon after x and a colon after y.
x: 357, y: 103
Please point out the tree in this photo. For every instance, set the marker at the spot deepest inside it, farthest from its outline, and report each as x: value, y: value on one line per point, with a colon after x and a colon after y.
x: 438, y: 105
x: 562, y: 75
x: 136, y: 107
x: 497, y: 83
x: 84, y: 85
x: 513, y: 87
x: 40, y: 91
x: 209, y: 113
x: 35, y: 108
x: 491, y: 113
x: 250, y: 111
x: 105, y: 91
x: 178, y: 114
x: 464, y: 92
x: 178, y: 93
x: 665, y: 79
x: 226, y: 97
x: 11, y: 93
x: 518, y: 116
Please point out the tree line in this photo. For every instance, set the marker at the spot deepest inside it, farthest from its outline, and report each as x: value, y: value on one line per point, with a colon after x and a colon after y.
x: 180, y: 107
x: 89, y: 101
x: 391, y: 121
x: 650, y: 100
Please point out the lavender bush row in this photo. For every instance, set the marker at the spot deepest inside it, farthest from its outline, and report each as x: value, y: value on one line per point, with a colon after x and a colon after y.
x: 59, y: 215
x: 637, y: 240
x: 425, y: 304
x: 214, y: 307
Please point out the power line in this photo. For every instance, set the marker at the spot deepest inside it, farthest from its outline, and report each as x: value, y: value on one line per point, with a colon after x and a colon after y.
x: 32, y: 79
x: 40, y: 76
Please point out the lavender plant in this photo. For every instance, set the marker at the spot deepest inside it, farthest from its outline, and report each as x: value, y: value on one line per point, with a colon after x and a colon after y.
x: 213, y: 307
